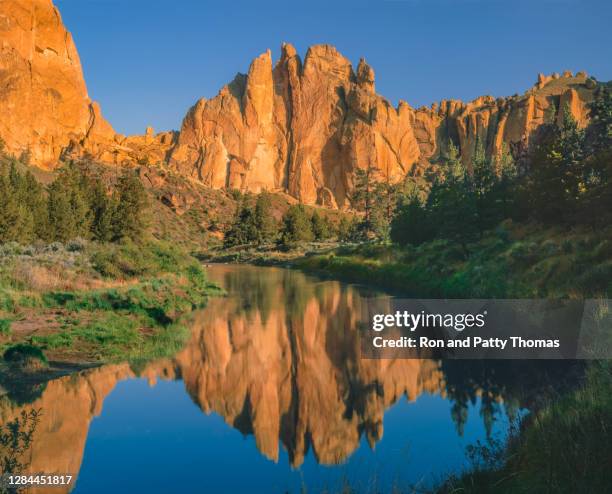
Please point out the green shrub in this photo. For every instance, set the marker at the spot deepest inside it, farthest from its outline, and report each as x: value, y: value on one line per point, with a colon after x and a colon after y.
x: 5, y: 326
x: 26, y: 356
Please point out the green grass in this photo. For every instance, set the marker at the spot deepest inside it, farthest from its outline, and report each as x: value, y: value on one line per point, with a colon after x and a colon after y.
x: 5, y: 326
x: 151, y: 289
x: 562, y: 448
x: 510, y: 262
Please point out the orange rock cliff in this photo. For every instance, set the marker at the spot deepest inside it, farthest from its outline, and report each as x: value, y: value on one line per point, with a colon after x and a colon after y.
x: 301, y: 127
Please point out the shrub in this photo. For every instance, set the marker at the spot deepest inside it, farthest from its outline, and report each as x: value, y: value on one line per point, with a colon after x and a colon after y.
x: 5, y: 326
x: 26, y: 356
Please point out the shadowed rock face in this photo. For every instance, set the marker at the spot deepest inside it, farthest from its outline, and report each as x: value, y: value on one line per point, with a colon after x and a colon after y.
x: 301, y: 127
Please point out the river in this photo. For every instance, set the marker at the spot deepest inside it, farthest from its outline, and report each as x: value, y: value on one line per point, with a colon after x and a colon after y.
x: 269, y: 396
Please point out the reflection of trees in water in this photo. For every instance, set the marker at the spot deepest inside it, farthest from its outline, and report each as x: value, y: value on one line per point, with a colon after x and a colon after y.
x: 505, y: 386
x: 19, y: 391
x: 16, y: 439
x: 502, y: 387
x: 280, y: 359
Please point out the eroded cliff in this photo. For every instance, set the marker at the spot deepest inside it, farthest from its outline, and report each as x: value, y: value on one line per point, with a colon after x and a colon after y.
x: 300, y: 127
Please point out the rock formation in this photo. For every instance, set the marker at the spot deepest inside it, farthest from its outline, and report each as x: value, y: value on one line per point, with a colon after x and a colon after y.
x: 304, y: 128
x: 298, y: 127
x: 43, y: 98
x: 290, y: 373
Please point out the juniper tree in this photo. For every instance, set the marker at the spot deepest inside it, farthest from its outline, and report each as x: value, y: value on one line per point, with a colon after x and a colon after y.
x: 131, y: 202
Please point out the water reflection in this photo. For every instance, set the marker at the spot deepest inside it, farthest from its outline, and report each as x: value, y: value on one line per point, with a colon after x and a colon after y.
x: 279, y: 359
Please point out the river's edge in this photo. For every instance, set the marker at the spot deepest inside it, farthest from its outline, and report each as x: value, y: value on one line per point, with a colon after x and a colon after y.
x: 63, y: 308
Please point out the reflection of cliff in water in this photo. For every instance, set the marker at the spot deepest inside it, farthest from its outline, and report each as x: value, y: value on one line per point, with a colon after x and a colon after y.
x: 64, y: 411
x: 279, y: 359
x: 282, y: 362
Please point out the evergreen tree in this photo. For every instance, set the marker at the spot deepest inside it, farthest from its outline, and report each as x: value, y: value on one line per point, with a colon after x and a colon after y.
x: 412, y: 223
x: 297, y: 227
x: 129, y: 218
x: 383, y: 207
x: 15, y: 222
x: 557, y: 173
x: 597, y: 166
x: 363, y: 196
x: 320, y: 227
x: 68, y: 209
x: 244, y: 228
x: 452, y: 204
x: 599, y: 132
x: 346, y: 229
x: 104, y: 212
x: 484, y: 186
x: 265, y: 224
x: 506, y: 191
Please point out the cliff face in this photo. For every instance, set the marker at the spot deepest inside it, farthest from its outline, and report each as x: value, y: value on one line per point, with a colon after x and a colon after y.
x: 301, y: 127
x: 43, y: 98
x: 304, y: 128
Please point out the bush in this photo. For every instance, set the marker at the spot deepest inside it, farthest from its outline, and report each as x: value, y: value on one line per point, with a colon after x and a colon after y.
x: 5, y: 326
x: 26, y: 356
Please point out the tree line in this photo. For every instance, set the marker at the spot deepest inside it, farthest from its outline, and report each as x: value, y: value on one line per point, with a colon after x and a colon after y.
x: 563, y: 181
x: 254, y: 224
x: 75, y: 204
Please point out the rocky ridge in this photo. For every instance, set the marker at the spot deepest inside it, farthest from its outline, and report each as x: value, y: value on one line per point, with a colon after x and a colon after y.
x: 297, y: 126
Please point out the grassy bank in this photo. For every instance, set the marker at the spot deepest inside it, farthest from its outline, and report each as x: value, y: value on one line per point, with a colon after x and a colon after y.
x: 513, y: 261
x: 266, y: 255
x: 563, y: 447
x: 91, y: 302
x: 564, y: 444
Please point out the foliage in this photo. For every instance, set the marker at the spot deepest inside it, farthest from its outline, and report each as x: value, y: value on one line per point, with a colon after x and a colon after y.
x: 26, y: 356
x: 130, y: 204
x: 264, y: 221
x: 296, y: 227
x: 411, y: 223
x: 564, y: 447
x: 321, y: 228
x: 252, y: 225
x: 16, y: 440
x: 513, y: 261
x: 5, y: 326
x: 75, y: 205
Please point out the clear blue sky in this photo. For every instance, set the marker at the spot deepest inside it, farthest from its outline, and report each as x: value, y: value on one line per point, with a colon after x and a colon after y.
x: 148, y: 61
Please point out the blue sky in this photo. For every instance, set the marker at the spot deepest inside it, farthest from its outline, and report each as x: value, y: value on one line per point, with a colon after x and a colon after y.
x: 148, y: 61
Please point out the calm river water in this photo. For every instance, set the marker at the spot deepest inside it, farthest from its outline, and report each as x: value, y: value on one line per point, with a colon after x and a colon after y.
x: 270, y: 396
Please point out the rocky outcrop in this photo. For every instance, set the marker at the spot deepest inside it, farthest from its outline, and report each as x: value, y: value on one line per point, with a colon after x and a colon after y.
x: 304, y: 128
x: 43, y: 98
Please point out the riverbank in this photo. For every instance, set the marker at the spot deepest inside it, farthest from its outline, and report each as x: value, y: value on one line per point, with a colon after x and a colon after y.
x: 562, y: 447
x: 513, y: 261
x: 564, y: 444
x: 90, y: 303
x: 267, y: 255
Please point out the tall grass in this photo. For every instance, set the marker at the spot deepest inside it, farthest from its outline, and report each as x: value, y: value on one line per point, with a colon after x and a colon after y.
x: 511, y: 262
x: 565, y: 447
